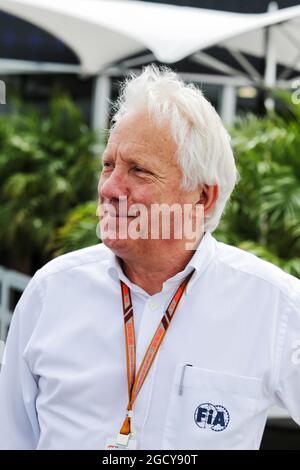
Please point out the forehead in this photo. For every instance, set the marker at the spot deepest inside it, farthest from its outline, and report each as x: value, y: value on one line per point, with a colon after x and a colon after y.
x: 138, y: 134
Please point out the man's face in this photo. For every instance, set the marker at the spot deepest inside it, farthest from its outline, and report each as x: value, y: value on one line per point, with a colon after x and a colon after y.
x: 140, y: 163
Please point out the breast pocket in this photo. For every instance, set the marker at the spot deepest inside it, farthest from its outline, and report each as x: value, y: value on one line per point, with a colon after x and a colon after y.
x: 209, y: 409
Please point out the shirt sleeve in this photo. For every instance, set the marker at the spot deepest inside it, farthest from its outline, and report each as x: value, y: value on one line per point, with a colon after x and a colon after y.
x: 288, y: 384
x: 19, y: 427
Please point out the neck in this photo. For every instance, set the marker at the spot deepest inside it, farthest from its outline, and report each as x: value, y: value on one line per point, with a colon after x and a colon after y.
x: 150, y: 274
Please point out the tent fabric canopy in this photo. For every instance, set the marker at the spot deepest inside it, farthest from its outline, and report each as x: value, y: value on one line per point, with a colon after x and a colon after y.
x: 101, y: 32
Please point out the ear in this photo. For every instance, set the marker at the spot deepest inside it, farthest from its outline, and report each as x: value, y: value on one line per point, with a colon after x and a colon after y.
x: 209, y: 197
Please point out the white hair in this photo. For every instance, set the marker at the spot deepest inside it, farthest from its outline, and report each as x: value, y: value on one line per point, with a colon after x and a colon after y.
x: 204, y: 152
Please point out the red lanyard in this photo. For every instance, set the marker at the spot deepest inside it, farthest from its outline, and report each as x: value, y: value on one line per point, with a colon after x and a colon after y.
x: 135, y: 382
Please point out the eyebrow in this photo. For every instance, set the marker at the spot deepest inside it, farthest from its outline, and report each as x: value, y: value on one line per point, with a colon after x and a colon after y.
x: 130, y: 161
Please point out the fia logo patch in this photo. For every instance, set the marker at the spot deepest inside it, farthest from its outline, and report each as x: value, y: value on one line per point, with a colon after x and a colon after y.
x: 214, y: 417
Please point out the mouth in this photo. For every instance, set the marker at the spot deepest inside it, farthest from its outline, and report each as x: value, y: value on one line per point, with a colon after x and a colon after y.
x: 104, y: 210
x: 117, y: 216
x: 118, y: 212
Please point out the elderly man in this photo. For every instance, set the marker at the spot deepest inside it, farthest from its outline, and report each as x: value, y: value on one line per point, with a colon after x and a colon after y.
x: 142, y: 342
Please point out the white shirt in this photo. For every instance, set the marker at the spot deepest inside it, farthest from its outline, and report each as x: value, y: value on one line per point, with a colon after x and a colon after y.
x: 64, y: 383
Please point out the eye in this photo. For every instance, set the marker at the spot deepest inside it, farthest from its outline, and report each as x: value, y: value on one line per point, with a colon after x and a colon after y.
x: 107, y: 165
x: 138, y: 169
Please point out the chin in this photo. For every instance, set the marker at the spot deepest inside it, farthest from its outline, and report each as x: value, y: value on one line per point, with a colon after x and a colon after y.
x: 111, y: 235
x: 117, y: 246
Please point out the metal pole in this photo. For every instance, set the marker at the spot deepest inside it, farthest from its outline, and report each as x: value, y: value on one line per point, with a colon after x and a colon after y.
x: 270, y: 64
x: 228, y: 104
x: 100, y: 103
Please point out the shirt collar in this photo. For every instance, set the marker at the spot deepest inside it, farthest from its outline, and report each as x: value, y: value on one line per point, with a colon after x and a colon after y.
x: 199, y: 262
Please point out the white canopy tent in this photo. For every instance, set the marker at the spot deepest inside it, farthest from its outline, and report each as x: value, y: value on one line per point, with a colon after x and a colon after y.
x: 102, y: 32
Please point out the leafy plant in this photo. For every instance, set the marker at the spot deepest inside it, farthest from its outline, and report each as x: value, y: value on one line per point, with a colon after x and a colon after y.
x: 264, y: 213
x: 79, y: 230
x: 47, y: 167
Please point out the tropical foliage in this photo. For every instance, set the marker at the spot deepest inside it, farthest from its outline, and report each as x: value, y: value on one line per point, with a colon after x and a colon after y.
x: 264, y: 214
x: 79, y: 231
x: 47, y: 167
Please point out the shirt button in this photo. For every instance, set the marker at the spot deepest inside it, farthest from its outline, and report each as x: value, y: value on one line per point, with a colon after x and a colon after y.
x: 153, y: 306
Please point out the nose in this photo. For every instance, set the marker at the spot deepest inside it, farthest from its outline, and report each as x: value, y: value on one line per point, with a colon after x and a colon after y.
x: 112, y: 186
